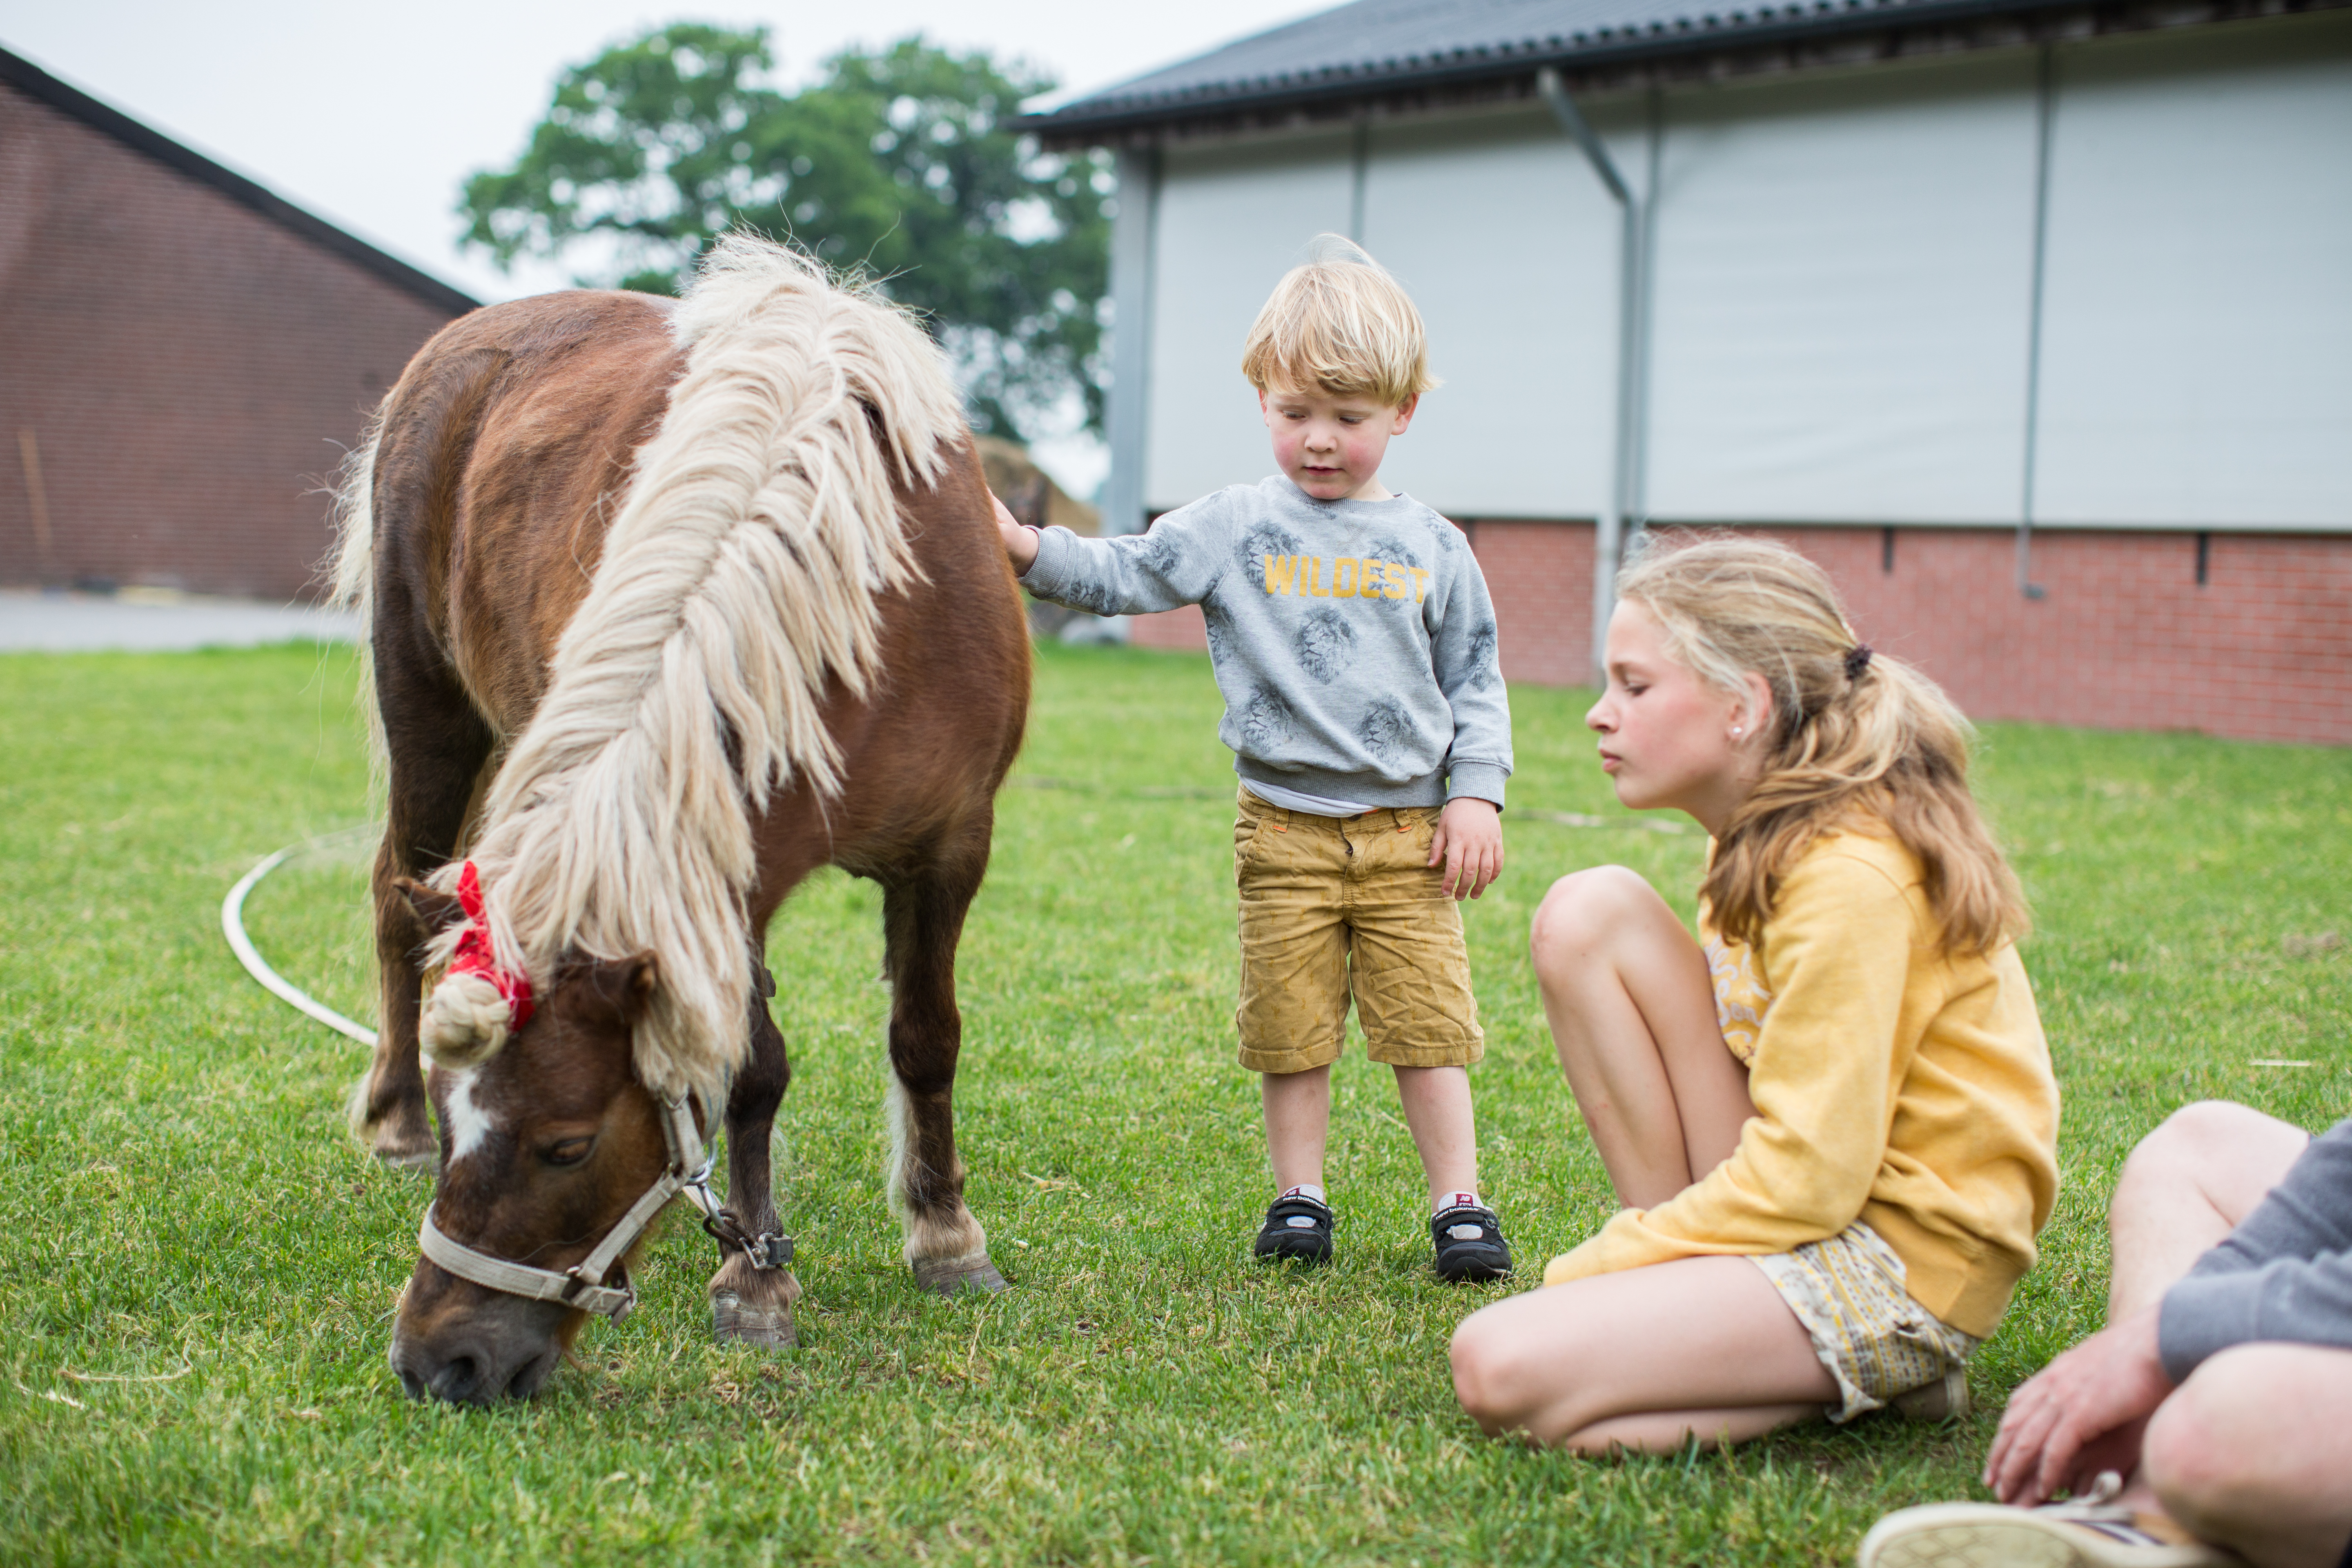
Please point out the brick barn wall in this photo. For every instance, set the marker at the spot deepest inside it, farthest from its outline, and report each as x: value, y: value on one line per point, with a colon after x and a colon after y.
x: 2124, y: 638
x: 1539, y: 575
x: 190, y: 371
x: 1179, y: 630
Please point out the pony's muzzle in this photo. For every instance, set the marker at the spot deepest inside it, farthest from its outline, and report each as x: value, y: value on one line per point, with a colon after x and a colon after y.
x: 475, y: 1371
x: 476, y: 1352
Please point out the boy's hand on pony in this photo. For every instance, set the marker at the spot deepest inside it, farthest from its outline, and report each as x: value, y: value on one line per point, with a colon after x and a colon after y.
x: 2055, y: 1433
x: 1469, y: 841
x: 1020, y: 538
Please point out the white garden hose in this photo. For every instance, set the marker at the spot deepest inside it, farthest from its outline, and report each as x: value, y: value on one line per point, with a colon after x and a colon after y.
x: 233, y: 927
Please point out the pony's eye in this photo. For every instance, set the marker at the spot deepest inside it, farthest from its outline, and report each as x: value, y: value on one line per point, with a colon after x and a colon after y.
x: 570, y: 1151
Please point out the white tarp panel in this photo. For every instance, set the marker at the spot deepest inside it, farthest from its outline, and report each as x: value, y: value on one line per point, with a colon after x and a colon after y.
x: 1231, y: 222
x: 2196, y: 330
x: 1508, y: 243
x: 1844, y: 278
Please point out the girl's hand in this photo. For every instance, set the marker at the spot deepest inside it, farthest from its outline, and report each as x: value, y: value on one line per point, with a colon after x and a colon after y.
x: 1020, y: 540
x: 1469, y: 840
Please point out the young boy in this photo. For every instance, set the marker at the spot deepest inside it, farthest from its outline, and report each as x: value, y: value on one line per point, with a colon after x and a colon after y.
x: 1354, y: 642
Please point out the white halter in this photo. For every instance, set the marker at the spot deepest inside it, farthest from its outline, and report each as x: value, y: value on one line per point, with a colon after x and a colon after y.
x: 583, y: 1285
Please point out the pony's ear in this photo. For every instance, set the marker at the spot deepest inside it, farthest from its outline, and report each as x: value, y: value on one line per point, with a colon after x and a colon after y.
x: 627, y: 984
x: 437, y: 909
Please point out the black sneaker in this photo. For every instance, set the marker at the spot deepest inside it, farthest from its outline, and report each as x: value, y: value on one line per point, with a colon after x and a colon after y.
x: 1296, y: 1229
x: 1470, y: 1244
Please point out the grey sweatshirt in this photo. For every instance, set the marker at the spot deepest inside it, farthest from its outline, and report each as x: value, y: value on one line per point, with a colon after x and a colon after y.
x: 1353, y: 640
x: 2284, y: 1274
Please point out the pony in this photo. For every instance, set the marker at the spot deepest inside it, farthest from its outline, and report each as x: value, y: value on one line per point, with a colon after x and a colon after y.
x: 666, y: 605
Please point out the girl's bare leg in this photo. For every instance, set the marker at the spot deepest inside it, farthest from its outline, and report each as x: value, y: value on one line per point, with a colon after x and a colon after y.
x: 1645, y: 1359
x: 1632, y: 1010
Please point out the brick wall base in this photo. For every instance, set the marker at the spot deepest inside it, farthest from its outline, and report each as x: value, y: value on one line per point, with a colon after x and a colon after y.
x: 2125, y: 637
x: 1179, y: 630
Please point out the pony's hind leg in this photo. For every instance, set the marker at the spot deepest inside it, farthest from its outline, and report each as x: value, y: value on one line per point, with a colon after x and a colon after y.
x: 438, y: 745
x: 923, y: 918
x: 749, y: 1303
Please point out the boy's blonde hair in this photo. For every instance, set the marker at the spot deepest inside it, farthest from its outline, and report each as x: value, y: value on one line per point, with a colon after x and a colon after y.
x: 1342, y: 326
x: 1856, y: 738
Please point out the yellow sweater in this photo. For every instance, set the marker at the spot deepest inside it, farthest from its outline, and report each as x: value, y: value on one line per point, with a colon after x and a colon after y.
x: 1893, y: 1084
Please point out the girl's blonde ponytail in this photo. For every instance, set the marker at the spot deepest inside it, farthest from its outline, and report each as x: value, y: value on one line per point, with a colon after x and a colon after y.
x: 1857, y: 740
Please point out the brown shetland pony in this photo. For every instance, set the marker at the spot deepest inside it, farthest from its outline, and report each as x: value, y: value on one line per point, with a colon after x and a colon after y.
x: 670, y: 604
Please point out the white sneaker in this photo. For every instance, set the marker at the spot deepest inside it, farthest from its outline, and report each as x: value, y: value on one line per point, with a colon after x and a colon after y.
x: 2089, y: 1533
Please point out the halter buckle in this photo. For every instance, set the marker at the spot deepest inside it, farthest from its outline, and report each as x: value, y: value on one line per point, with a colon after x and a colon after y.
x: 581, y: 1282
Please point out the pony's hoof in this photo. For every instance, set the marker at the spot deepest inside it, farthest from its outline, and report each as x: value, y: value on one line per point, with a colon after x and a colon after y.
x: 947, y: 1276
x: 734, y: 1321
x: 400, y: 1148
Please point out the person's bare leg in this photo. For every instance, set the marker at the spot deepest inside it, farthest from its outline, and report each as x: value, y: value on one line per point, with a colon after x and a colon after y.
x: 2187, y: 1185
x: 1644, y: 1358
x: 1298, y: 1121
x: 2184, y: 1187
x: 2253, y: 1453
x: 1444, y: 1128
x: 1632, y: 1010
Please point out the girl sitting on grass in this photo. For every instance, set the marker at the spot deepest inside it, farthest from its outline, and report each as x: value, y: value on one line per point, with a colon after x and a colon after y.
x: 1830, y: 1119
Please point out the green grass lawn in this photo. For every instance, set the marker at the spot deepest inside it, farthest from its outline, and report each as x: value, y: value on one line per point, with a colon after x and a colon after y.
x: 197, y: 1265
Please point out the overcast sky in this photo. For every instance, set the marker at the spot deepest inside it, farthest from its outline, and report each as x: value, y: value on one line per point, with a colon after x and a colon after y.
x: 371, y: 116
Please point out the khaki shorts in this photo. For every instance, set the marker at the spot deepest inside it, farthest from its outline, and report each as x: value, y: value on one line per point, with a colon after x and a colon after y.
x: 1335, y: 907
x: 1874, y: 1339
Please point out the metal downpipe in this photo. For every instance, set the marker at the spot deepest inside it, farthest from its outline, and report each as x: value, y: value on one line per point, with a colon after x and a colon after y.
x: 1624, y: 514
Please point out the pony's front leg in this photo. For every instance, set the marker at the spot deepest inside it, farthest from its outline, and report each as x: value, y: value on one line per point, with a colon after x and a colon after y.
x: 923, y: 918
x: 387, y: 1106
x: 436, y: 745
x: 749, y: 1303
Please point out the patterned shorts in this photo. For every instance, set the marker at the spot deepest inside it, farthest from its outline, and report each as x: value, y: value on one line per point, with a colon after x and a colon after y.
x: 1875, y: 1340
x: 1334, y: 908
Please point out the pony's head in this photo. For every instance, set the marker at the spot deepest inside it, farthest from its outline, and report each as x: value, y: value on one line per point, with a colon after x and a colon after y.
x: 548, y: 1137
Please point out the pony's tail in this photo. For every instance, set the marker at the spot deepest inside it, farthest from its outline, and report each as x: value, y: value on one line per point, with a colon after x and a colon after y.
x: 352, y: 582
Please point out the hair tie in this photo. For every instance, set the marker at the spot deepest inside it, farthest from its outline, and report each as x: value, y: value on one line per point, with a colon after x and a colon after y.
x: 1857, y: 660
x: 474, y: 953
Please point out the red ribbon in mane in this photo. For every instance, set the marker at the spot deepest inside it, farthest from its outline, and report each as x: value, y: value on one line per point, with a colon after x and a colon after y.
x: 474, y: 954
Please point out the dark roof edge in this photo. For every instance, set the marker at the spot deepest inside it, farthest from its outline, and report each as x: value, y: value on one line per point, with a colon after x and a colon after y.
x: 31, y: 80
x: 1074, y: 125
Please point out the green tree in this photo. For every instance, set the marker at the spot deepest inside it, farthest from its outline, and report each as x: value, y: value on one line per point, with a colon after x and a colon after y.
x: 899, y: 163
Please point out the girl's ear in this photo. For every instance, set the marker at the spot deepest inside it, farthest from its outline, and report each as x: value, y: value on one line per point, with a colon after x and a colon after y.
x: 1754, y: 713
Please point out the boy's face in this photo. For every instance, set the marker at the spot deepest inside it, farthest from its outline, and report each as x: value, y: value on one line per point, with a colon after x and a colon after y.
x: 1331, y: 446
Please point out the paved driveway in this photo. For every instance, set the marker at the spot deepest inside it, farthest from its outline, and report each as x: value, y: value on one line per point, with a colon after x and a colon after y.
x: 147, y: 621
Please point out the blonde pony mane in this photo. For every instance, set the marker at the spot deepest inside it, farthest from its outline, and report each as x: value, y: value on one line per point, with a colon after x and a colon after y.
x: 743, y: 576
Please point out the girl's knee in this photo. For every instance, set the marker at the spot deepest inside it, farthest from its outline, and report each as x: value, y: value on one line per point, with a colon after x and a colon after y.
x: 1486, y: 1374
x: 1583, y: 908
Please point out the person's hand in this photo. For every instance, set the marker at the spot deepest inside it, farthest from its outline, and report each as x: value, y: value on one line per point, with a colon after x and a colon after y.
x: 2112, y: 1381
x: 1020, y: 540
x: 1469, y: 840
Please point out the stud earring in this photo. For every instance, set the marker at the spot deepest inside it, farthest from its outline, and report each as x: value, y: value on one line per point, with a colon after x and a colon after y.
x: 1736, y: 731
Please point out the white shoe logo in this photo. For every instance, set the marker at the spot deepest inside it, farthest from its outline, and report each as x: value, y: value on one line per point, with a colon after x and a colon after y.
x: 1465, y: 1232
x: 1300, y: 1222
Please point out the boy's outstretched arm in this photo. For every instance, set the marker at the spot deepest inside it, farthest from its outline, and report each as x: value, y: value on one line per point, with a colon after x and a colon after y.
x: 1020, y: 538
x: 1469, y: 840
